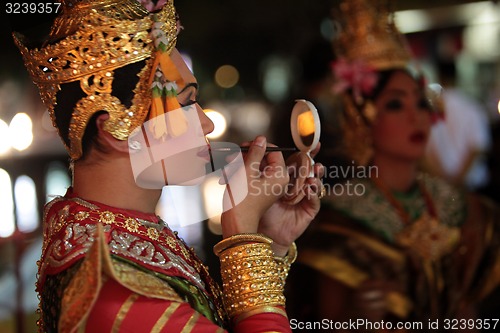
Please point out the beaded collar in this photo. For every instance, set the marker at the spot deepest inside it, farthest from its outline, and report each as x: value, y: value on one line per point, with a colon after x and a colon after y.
x: 375, y: 212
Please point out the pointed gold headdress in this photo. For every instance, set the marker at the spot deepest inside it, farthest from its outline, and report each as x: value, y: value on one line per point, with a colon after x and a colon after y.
x: 89, y: 45
x: 369, y: 34
x: 368, y: 42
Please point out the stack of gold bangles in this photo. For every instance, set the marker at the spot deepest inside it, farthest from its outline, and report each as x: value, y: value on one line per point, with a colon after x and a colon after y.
x: 252, y: 278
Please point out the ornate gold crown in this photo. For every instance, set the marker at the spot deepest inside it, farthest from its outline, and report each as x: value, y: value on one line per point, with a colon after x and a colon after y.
x: 368, y: 34
x: 368, y: 42
x: 88, y: 42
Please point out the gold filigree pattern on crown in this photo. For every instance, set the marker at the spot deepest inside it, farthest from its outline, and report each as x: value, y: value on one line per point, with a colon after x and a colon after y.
x: 368, y: 34
x: 87, y: 42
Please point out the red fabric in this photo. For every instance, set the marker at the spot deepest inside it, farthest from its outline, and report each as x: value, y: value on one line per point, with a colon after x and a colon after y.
x: 106, y: 307
x: 264, y: 322
x: 145, y: 312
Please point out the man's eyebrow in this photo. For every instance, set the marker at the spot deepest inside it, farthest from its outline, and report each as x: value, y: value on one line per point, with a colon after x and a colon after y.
x: 188, y: 85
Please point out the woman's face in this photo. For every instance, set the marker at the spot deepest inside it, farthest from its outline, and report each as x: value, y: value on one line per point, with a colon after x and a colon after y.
x: 403, y: 121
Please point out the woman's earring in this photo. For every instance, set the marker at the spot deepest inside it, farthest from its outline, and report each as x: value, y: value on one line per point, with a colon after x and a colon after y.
x: 370, y: 112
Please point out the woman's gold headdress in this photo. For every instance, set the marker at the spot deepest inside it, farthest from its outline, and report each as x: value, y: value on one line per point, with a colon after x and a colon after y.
x: 368, y: 42
x: 89, y: 43
x: 369, y: 34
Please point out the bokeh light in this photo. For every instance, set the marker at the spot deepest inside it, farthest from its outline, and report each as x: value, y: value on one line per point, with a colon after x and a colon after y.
x: 26, y: 204
x: 4, y: 137
x: 20, y: 131
x: 220, y: 123
x: 227, y: 76
x: 7, y: 224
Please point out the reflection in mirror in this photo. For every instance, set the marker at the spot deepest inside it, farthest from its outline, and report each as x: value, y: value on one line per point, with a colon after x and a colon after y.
x: 306, y: 127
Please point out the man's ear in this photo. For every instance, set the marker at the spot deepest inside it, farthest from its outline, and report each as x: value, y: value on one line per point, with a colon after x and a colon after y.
x: 106, y: 138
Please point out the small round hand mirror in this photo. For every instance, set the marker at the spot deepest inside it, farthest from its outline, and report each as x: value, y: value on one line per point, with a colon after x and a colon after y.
x: 305, y: 126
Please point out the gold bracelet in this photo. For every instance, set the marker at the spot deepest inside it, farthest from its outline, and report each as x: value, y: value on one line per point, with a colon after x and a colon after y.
x: 238, y: 239
x: 284, y: 263
x: 250, y: 278
x: 290, y: 256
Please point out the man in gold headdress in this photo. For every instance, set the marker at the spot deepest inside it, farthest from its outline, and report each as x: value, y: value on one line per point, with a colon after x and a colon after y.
x: 392, y: 248
x: 116, y: 88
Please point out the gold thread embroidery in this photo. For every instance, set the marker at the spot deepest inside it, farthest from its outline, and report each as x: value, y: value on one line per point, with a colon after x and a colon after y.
x: 191, y: 322
x: 160, y: 323
x: 153, y: 233
x: 107, y: 217
x: 122, y: 313
x: 143, y: 283
x: 80, y: 216
x: 82, y: 290
x: 131, y: 224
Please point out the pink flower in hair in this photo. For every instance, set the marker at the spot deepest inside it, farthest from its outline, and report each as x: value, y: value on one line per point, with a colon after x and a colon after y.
x: 356, y: 75
x: 150, y: 5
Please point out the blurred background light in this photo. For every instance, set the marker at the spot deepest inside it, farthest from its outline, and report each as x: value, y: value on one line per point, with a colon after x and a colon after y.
x: 7, y: 222
x: 277, y: 76
x: 21, y: 131
x: 4, y: 137
x: 213, y: 192
x: 409, y: 21
x: 220, y: 123
x: 251, y: 118
x: 226, y: 76
x: 57, y: 180
x: 327, y: 29
x: 26, y: 204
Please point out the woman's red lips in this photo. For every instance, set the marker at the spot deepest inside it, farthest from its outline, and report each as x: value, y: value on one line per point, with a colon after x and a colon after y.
x: 418, y: 137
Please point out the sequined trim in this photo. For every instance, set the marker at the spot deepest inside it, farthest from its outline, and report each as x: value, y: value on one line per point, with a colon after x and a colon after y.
x: 146, y: 252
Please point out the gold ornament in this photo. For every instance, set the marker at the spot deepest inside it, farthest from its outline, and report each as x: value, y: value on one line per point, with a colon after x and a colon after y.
x: 88, y: 42
x: 251, y: 279
x: 240, y: 239
x: 368, y: 40
x: 368, y: 34
x: 428, y: 238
